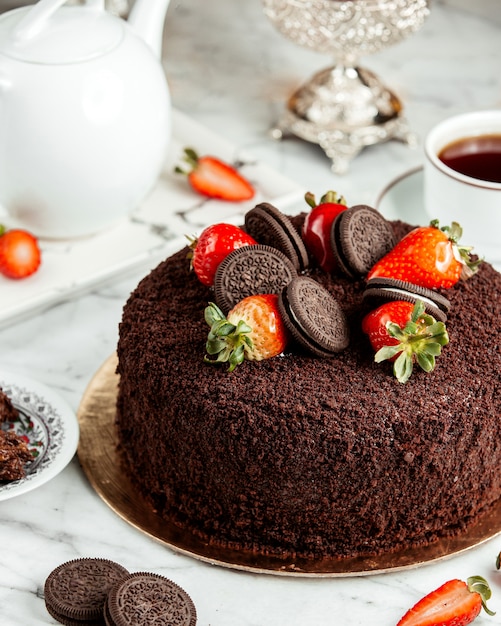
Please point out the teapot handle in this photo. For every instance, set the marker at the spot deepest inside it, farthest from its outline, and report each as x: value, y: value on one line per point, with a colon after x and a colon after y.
x: 33, y: 22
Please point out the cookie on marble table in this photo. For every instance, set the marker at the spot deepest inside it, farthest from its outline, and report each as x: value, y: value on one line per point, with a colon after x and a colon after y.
x: 75, y: 592
x: 143, y: 599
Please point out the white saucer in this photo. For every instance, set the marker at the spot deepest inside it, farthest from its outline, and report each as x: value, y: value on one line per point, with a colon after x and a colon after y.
x: 49, y: 425
x: 402, y: 199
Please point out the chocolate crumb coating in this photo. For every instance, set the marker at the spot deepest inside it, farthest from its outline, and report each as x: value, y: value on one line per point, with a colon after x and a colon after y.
x: 8, y: 412
x: 14, y: 453
x: 299, y: 455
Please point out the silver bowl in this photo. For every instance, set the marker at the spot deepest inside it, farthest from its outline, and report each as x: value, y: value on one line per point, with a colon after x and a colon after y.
x: 345, y: 108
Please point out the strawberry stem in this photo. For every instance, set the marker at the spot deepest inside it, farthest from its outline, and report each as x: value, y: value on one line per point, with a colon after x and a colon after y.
x: 421, y: 340
x: 330, y: 197
x: 190, y: 157
x: 227, y: 342
x: 462, y: 253
x: 477, y: 584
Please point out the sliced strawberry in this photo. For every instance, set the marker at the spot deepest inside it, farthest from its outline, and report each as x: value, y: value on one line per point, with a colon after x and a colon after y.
x: 428, y: 256
x: 455, y: 603
x: 214, y: 245
x: 20, y: 254
x: 403, y: 333
x: 253, y: 330
x: 316, y: 232
x: 214, y: 178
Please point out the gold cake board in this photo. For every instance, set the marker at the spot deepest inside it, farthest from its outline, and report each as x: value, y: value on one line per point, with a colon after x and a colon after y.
x: 99, y: 458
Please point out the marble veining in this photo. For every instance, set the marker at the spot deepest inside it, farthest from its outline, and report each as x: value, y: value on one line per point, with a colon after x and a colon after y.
x: 231, y: 71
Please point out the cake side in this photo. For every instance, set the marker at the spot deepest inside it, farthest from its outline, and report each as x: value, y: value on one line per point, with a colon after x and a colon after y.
x: 308, y: 456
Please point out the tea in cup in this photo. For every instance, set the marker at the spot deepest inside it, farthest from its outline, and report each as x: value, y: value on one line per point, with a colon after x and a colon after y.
x: 462, y: 178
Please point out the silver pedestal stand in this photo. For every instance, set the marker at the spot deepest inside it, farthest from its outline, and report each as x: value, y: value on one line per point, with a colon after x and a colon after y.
x: 345, y: 108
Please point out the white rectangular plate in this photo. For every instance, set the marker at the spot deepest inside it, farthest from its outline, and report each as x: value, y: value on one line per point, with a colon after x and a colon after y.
x: 171, y: 211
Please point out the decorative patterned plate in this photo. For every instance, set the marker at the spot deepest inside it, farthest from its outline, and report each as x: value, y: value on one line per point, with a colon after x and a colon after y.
x: 99, y: 457
x: 49, y: 425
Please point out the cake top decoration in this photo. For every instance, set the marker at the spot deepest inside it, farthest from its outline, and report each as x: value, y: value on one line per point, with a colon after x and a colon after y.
x: 403, y: 311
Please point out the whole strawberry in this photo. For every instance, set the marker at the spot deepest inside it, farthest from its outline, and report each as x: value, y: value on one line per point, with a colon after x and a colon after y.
x: 253, y: 330
x: 212, y: 246
x: 455, y: 603
x: 316, y: 231
x: 428, y: 256
x: 403, y: 333
x: 214, y: 178
x: 20, y: 254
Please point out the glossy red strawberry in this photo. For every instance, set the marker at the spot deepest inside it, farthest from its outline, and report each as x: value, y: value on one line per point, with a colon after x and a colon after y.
x: 455, y: 603
x: 20, y: 254
x: 214, y: 178
x: 212, y: 246
x: 316, y: 232
x: 403, y: 333
x: 428, y: 256
x: 253, y: 330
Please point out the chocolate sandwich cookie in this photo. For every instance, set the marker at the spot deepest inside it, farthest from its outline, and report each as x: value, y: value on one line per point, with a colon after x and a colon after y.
x: 360, y: 236
x: 379, y: 290
x: 251, y: 270
x: 313, y: 317
x: 143, y: 599
x: 271, y: 227
x: 75, y: 592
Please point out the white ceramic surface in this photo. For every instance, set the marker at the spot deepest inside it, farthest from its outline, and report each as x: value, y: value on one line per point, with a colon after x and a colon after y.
x: 452, y: 196
x: 85, y: 118
x: 231, y: 72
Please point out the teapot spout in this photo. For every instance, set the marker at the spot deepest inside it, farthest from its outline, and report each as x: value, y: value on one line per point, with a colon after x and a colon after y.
x: 147, y: 19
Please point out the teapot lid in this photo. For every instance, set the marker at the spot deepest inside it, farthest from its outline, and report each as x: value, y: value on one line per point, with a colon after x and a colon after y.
x: 69, y: 35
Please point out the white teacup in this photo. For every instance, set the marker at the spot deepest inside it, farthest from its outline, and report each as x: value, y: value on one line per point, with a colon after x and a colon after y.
x: 451, y: 195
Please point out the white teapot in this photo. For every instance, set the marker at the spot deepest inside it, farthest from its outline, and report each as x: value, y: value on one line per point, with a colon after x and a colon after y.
x: 85, y: 115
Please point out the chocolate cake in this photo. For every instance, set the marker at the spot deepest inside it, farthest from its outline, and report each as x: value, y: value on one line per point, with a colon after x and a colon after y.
x: 14, y: 453
x: 309, y: 456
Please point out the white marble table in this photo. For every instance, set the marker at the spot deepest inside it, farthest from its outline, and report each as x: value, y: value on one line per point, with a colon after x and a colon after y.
x: 230, y: 70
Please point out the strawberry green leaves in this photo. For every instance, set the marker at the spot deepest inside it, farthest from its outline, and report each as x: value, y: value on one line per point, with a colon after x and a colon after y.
x: 412, y: 337
x: 253, y: 330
